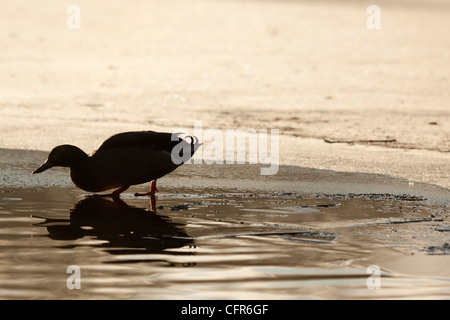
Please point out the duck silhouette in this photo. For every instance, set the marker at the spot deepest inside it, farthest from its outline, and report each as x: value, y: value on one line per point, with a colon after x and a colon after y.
x: 123, y: 160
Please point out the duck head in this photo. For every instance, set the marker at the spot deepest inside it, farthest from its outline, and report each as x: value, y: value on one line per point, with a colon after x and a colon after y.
x: 63, y: 156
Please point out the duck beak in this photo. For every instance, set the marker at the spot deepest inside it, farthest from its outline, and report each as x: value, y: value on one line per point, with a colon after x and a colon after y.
x: 45, y: 166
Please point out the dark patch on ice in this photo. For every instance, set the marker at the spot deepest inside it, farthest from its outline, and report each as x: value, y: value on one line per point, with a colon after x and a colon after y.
x: 439, y: 250
x: 328, y: 205
x: 180, y: 207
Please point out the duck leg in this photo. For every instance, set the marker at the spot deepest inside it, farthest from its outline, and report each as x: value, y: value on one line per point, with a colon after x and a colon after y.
x: 153, y: 203
x: 116, y: 194
x: 151, y: 193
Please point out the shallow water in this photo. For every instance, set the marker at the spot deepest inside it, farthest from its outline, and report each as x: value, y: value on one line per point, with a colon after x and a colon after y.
x: 200, y: 245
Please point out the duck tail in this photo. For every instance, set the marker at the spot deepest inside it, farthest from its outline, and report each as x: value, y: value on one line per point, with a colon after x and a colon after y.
x: 194, y: 144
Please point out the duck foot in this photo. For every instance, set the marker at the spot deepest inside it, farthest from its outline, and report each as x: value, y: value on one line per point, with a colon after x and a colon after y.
x: 151, y: 193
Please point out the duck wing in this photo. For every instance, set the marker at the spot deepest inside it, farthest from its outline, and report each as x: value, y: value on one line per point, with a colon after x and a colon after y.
x: 140, y: 139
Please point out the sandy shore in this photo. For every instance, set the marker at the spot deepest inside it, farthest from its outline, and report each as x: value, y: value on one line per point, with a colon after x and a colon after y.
x: 316, y: 73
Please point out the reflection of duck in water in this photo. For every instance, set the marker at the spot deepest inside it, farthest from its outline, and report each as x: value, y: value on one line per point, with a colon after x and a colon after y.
x: 127, y: 230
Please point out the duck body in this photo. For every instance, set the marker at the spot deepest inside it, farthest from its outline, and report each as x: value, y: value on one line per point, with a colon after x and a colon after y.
x: 123, y: 160
x: 121, y: 167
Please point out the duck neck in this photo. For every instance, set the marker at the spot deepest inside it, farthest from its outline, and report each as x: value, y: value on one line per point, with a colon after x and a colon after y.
x: 75, y: 157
